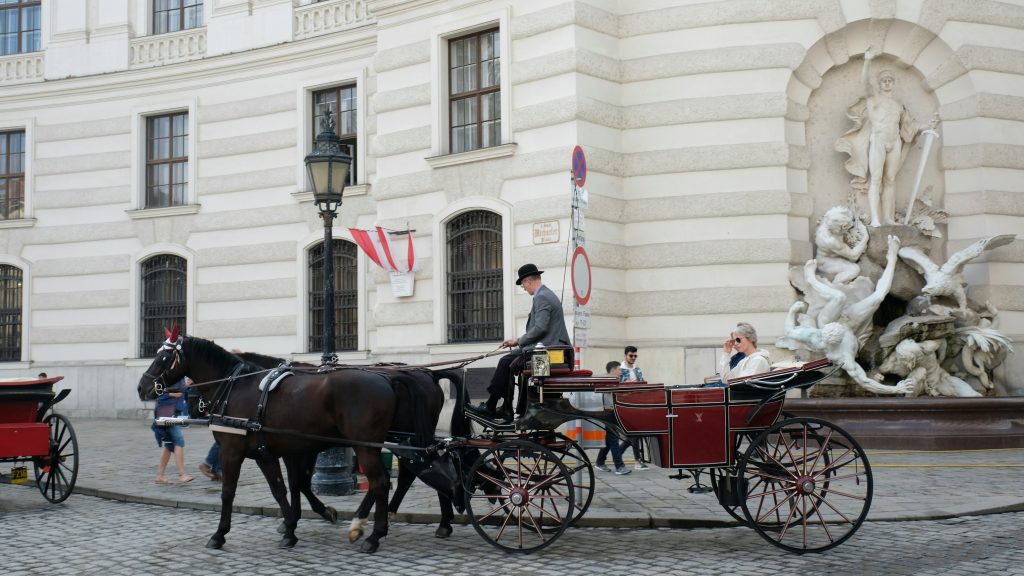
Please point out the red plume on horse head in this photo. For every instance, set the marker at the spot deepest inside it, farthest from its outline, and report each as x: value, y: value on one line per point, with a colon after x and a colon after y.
x: 173, y: 333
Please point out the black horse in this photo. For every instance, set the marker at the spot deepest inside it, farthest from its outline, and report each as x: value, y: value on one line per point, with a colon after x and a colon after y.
x: 411, y: 383
x: 308, y: 412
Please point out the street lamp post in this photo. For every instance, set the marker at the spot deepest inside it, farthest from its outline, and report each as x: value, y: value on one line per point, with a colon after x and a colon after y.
x: 328, y: 167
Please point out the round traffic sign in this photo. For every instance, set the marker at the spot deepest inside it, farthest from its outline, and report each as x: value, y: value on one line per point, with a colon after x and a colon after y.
x: 581, y: 279
x: 579, y: 166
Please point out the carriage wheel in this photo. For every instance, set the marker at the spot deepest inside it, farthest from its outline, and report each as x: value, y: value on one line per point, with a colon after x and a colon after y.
x: 809, y: 485
x: 522, y: 496
x: 56, y: 472
x: 576, y: 460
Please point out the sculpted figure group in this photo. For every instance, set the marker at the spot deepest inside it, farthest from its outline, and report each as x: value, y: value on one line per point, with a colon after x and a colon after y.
x: 942, y: 344
x: 835, y: 316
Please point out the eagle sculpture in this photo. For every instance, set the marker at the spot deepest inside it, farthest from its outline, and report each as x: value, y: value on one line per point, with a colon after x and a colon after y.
x: 948, y: 279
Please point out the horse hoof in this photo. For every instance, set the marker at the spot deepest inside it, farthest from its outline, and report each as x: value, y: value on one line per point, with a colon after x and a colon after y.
x: 354, y: 535
x: 288, y: 542
x: 215, y: 543
x: 331, y: 515
x: 281, y: 528
x: 443, y: 531
x: 369, y: 547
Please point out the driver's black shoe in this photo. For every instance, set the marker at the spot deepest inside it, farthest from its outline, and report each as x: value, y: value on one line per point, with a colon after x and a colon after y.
x: 482, y: 410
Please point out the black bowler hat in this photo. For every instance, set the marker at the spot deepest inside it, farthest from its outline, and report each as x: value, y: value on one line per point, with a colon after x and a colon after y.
x: 527, y: 270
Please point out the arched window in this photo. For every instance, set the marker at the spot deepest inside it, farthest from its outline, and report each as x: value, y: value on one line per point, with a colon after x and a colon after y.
x: 10, y: 313
x: 346, y: 297
x: 164, y: 283
x: 475, y: 271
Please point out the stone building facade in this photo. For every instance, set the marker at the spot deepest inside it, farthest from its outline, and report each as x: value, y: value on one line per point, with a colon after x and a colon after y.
x: 708, y: 129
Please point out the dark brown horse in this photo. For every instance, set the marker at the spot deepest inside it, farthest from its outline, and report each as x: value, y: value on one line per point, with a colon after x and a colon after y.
x: 307, y: 413
x: 411, y: 383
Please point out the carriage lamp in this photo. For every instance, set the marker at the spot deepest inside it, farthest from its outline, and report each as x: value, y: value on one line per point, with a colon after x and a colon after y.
x: 540, y: 364
x: 328, y: 167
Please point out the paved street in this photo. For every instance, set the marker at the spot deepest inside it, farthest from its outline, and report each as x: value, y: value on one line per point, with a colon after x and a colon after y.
x: 88, y: 535
x: 932, y: 513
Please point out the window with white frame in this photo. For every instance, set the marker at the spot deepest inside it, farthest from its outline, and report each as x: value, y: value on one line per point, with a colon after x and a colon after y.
x: 343, y: 102
x: 474, y: 91
x: 10, y: 313
x: 175, y: 15
x: 167, y: 160
x: 20, y: 26
x: 12, y: 175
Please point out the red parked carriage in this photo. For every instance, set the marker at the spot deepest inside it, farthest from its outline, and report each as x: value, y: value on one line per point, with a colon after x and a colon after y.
x: 803, y: 484
x: 29, y: 434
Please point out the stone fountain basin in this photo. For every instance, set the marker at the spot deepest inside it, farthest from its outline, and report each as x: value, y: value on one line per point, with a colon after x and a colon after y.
x: 922, y: 423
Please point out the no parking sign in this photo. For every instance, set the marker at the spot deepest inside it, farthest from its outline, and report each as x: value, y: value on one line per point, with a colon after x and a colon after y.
x: 581, y: 276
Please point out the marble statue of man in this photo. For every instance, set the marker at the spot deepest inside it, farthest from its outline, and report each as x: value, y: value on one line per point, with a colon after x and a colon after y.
x: 919, y: 364
x: 878, y: 142
x: 841, y: 240
x: 840, y: 327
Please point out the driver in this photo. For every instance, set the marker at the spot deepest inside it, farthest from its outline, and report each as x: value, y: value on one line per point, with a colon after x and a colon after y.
x: 545, y: 324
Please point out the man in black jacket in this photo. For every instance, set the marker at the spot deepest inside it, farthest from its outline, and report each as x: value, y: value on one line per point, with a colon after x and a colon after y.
x: 545, y: 324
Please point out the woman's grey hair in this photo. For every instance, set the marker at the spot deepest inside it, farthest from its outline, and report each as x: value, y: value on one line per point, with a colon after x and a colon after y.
x: 747, y: 331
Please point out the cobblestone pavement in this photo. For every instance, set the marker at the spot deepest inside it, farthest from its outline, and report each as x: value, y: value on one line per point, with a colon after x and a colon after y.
x: 87, y: 535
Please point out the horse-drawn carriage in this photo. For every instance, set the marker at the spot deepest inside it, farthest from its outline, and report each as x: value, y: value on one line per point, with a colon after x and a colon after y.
x: 802, y: 483
x: 29, y: 434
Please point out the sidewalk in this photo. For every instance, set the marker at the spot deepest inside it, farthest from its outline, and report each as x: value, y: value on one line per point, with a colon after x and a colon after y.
x: 119, y: 458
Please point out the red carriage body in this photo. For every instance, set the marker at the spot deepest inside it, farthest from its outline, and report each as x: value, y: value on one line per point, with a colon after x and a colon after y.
x: 29, y: 433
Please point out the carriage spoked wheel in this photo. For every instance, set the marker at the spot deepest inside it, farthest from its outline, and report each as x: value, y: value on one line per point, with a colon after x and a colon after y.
x: 56, y: 472
x: 522, y: 496
x: 576, y: 460
x: 809, y: 485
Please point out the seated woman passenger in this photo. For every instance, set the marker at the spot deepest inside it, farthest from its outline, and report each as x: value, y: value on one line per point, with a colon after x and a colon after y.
x: 741, y: 356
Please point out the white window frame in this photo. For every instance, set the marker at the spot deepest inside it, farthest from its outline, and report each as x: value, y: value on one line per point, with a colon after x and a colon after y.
x: 135, y: 292
x: 307, y: 132
x: 441, y: 154
x: 440, y: 269
x: 140, y: 116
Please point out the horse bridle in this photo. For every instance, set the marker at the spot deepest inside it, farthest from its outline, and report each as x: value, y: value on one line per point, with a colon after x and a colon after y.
x: 159, y: 385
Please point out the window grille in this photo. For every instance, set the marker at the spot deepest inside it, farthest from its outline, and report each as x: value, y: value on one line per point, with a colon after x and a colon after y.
x: 346, y: 297
x: 164, y: 293
x: 475, y: 295
x: 10, y: 313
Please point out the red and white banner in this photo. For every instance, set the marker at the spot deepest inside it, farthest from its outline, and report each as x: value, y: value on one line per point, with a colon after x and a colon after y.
x: 377, y: 246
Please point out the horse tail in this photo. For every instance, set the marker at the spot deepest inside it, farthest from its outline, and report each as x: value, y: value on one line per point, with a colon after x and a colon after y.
x: 424, y: 422
x: 459, y: 424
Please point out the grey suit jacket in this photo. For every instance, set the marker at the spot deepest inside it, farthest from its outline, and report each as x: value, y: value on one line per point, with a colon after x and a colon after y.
x: 546, y: 323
